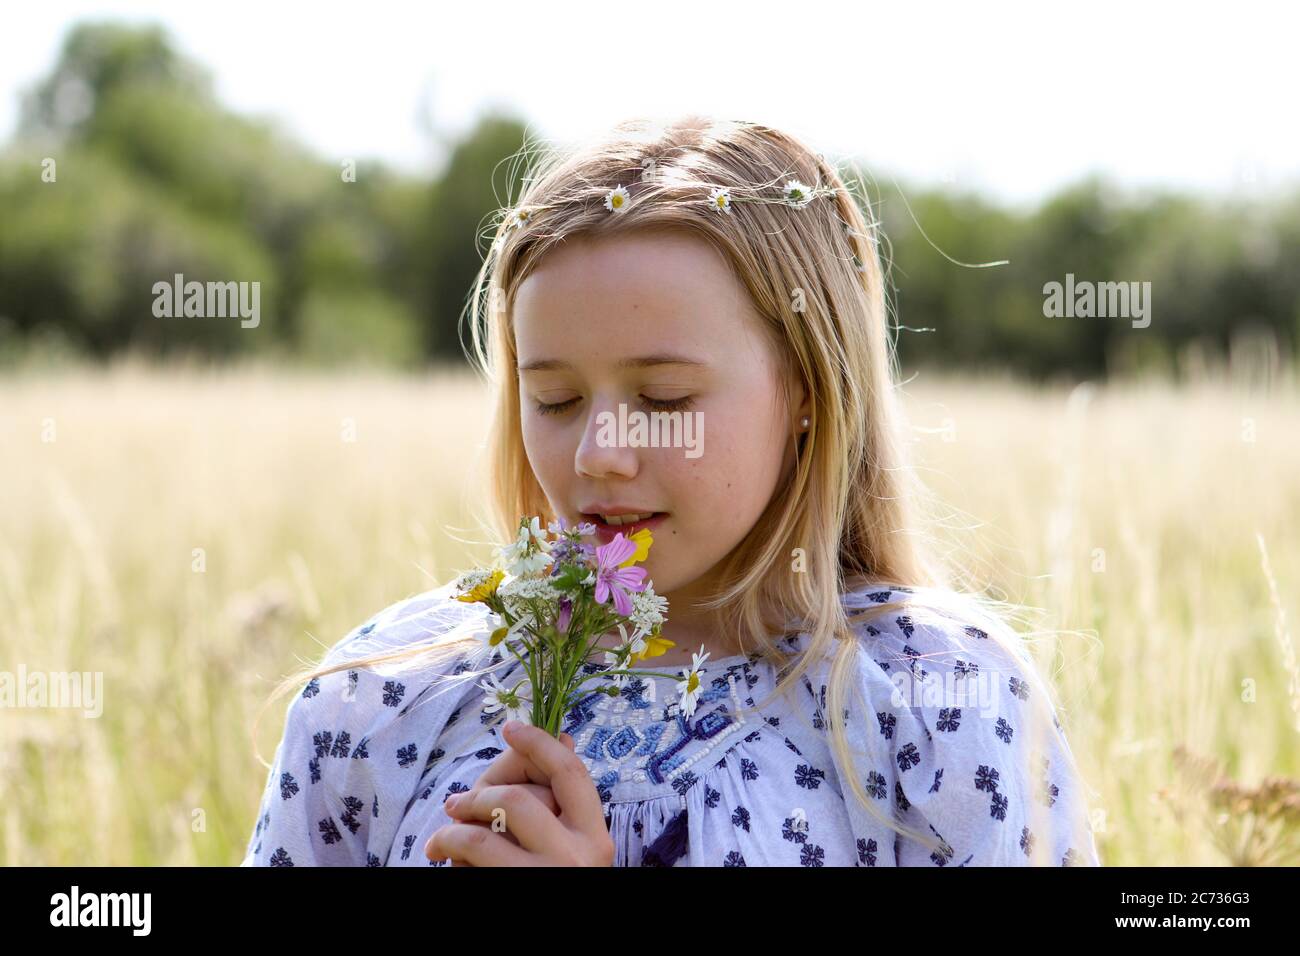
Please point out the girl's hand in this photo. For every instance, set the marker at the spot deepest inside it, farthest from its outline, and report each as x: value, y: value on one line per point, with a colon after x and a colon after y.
x: 509, y: 767
x: 576, y: 835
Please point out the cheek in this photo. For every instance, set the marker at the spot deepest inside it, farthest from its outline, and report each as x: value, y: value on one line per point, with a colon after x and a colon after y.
x: 732, y: 482
x: 547, y: 453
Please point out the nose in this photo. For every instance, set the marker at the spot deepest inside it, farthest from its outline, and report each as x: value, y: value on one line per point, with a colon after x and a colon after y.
x: 601, y: 451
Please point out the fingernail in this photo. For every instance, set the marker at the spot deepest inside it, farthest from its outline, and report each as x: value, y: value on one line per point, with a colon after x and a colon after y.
x: 511, y: 726
x: 452, y: 800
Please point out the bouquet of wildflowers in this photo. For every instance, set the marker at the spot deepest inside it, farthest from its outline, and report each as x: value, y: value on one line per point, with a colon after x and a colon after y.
x: 553, y: 594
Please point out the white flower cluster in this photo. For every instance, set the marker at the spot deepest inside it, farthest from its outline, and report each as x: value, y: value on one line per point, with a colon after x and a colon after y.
x: 647, y: 609
x: 472, y: 579
x: 517, y: 590
x: 529, y: 554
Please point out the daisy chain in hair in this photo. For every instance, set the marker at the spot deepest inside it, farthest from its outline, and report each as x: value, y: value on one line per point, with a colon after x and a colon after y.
x: 793, y: 193
x: 720, y: 199
x: 616, y: 199
x: 797, y: 194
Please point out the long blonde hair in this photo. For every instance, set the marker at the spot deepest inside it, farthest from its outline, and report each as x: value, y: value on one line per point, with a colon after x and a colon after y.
x: 850, y: 509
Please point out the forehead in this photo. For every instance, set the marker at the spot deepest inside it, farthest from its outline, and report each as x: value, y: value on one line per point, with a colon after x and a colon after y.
x: 594, y: 299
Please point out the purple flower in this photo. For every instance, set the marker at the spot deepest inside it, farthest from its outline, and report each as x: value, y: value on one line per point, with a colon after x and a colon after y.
x: 611, y: 578
x: 566, y: 614
x: 567, y: 551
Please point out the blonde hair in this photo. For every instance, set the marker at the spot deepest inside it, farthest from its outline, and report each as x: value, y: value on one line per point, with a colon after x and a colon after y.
x: 851, y: 503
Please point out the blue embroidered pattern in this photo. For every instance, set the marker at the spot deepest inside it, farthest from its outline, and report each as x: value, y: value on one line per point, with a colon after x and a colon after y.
x: 635, y: 741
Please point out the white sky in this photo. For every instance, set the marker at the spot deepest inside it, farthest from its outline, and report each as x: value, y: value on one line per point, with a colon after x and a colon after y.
x: 1014, y: 99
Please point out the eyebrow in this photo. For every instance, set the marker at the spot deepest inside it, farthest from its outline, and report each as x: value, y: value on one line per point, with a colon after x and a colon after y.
x: 643, y: 361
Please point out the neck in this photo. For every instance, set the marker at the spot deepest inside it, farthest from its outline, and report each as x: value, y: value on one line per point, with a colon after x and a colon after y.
x: 690, y: 626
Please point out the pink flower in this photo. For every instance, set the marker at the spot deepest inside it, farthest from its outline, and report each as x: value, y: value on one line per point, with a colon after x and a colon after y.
x: 611, y: 578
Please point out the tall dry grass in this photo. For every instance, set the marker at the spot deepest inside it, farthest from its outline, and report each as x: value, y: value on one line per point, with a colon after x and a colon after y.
x: 1128, y: 513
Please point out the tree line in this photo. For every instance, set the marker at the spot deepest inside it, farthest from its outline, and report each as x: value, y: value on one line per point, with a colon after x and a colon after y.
x: 126, y: 171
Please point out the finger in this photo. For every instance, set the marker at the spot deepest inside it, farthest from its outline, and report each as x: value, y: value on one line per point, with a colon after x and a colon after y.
x: 512, y: 766
x: 509, y: 809
x: 568, y: 775
x: 475, y: 846
x: 458, y: 804
x: 505, y: 833
x: 436, y: 855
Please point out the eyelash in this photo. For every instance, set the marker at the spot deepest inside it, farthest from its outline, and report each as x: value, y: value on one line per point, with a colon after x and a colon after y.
x: 657, y: 404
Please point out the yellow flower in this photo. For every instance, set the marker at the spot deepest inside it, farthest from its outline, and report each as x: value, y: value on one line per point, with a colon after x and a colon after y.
x: 483, y: 591
x: 642, y: 539
x: 654, y: 647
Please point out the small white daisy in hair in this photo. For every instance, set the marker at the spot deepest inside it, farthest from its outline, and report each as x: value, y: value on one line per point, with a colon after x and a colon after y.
x: 720, y: 199
x: 796, y: 193
x: 616, y: 199
x: 563, y: 594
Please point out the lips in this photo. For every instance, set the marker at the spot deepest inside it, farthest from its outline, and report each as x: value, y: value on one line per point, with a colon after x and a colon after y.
x: 607, y: 531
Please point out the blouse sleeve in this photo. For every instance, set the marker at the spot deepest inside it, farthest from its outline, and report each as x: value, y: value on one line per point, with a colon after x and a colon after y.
x: 313, y: 811
x: 346, y: 749
x: 961, y: 741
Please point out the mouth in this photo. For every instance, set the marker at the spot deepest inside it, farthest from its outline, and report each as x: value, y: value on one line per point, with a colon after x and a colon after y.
x: 608, y: 526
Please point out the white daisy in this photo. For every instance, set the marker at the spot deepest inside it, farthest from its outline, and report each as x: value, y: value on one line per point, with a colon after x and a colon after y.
x: 796, y: 193
x: 498, y: 697
x: 720, y: 199
x: 622, y: 655
x: 612, y: 661
x: 616, y: 199
x: 690, y: 686
x: 634, y: 645
x: 519, y: 218
x: 491, y: 624
x: 494, y: 623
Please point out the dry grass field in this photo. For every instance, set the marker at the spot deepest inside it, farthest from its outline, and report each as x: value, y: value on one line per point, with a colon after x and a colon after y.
x: 195, y: 534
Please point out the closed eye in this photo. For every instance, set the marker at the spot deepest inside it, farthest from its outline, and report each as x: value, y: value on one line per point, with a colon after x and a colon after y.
x: 554, y: 408
x: 656, y: 404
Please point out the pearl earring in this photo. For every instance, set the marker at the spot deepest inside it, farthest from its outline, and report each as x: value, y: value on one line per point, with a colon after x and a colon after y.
x: 804, y: 422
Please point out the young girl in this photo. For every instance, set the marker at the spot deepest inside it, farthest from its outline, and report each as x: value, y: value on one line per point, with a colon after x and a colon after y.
x: 725, y: 271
